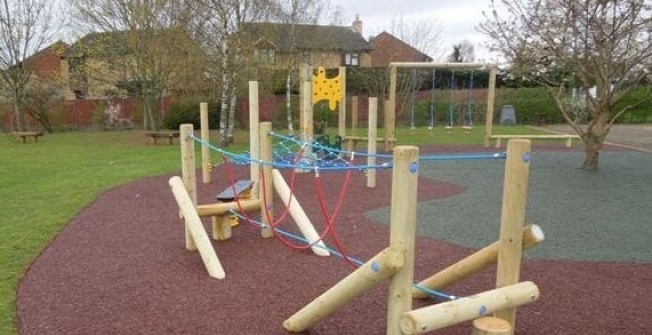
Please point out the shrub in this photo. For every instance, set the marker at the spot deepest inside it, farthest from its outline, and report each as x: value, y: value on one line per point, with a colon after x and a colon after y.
x: 187, y: 111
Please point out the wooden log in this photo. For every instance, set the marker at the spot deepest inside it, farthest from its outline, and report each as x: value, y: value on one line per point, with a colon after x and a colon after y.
x: 366, y: 277
x: 371, y: 145
x: 188, y: 172
x: 222, y: 208
x: 196, y: 229
x: 299, y: 215
x: 254, y: 137
x: 221, y: 227
x: 267, y: 184
x: 517, y: 169
x: 354, y: 115
x: 446, y: 314
x: 474, y: 263
x: 390, y: 122
x: 403, y: 219
x: 489, y: 114
x: 439, y: 65
x: 341, y: 116
x: 491, y: 326
x: 205, y: 150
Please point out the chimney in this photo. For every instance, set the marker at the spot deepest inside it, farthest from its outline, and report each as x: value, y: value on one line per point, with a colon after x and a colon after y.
x: 357, y: 24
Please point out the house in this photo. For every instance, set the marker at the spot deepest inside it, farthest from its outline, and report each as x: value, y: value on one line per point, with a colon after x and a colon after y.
x: 280, y: 44
x: 387, y: 48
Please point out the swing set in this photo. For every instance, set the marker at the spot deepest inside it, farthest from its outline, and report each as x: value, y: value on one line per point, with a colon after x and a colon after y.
x: 462, y: 105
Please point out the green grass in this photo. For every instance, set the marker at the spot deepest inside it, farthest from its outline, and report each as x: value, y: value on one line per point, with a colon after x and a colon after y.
x: 44, y: 186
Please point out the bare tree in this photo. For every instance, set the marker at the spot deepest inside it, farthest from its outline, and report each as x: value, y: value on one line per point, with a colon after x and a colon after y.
x: 587, y: 43
x: 424, y: 34
x: 26, y: 26
x: 463, y: 52
x: 217, y: 25
x: 141, y: 44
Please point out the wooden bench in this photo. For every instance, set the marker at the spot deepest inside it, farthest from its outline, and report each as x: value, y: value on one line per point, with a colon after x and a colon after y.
x: 26, y: 134
x: 157, y: 135
x: 567, y: 138
x: 351, y: 142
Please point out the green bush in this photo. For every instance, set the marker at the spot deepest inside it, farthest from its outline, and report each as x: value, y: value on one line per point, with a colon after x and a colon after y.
x: 641, y: 99
x: 187, y: 111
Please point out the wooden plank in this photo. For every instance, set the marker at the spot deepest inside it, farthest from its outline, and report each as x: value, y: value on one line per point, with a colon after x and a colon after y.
x: 188, y: 173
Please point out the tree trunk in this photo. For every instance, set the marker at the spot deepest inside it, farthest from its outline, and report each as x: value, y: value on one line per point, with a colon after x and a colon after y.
x: 593, y: 146
x: 19, y: 121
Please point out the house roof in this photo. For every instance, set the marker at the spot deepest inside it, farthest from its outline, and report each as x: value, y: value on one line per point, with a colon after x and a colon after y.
x: 97, y: 42
x: 389, y: 48
x: 307, y: 37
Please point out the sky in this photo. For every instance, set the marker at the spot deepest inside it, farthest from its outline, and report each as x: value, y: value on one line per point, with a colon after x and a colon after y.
x: 458, y: 18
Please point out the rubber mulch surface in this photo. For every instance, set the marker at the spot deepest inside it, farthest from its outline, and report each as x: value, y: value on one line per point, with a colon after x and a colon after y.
x: 120, y: 267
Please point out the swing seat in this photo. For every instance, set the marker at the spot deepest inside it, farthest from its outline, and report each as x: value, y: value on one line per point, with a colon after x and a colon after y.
x: 240, y: 186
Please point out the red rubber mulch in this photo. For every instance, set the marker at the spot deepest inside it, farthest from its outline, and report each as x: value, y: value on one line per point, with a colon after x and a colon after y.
x: 120, y: 267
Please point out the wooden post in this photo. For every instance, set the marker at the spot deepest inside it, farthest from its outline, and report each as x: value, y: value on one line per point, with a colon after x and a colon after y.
x: 403, y: 219
x: 266, y: 185
x: 354, y: 116
x: 491, y: 326
x: 254, y: 137
x: 307, y: 124
x: 205, y: 137
x: 489, y: 115
x: 474, y: 263
x: 299, y: 215
x: 390, y: 121
x: 188, y: 172
x: 304, y: 76
x: 196, y: 229
x: 446, y: 314
x: 512, y: 218
x: 371, y: 141
x: 341, y: 124
x: 366, y: 277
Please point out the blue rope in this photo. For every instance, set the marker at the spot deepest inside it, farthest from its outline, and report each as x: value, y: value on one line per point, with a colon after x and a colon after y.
x: 354, y: 260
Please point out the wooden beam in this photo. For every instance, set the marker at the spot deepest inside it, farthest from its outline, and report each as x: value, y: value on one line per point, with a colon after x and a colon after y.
x: 403, y: 219
x: 517, y: 169
x: 474, y: 263
x: 299, y: 215
x: 223, y: 208
x: 446, y: 314
x: 372, y: 129
x: 205, y: 137
x: 441, y: 65
x: 254, y: 138
x: 266, y: 187
x: 196, y: 229
x: 366, y: 277
x: 188, y: 172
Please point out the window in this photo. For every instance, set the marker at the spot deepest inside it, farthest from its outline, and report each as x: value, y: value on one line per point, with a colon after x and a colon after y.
x: 265, y: 56
x: 352, y: 58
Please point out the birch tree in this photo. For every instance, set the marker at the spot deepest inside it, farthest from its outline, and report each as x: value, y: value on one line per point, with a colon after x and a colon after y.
x: 26, y: 26
x: 562, y: 44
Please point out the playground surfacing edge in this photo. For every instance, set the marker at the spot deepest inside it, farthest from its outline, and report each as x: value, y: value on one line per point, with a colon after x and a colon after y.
x: 120, y: 267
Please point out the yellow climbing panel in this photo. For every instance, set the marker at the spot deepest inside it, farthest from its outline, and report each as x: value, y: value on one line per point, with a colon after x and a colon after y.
x: 326, y: 89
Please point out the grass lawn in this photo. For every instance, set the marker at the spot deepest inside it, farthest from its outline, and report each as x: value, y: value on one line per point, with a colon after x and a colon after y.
x: 44, y: 186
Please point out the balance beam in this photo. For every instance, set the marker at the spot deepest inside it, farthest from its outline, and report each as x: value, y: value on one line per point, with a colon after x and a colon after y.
x: 25, y: 134
x: 350, y: 142
x: 196, y: 229
x: 366, y: 277
x: 474, y: 263
x: 567, y: 138
x: 446, y: 314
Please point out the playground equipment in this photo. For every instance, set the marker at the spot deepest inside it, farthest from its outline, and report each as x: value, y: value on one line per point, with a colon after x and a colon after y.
x: 395, y: 263
x: 390, y: 127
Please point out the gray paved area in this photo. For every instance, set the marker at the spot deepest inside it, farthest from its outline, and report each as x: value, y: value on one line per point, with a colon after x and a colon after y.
x: 638, y: 136
x: 605, y: 215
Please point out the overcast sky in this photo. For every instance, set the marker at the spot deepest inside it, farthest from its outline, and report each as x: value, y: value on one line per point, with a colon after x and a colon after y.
x: 457, y: 17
